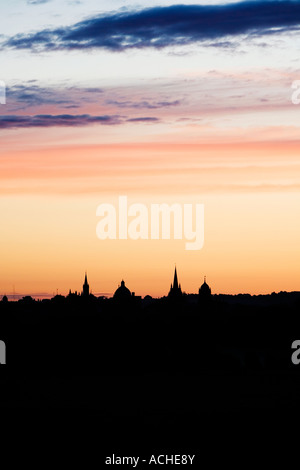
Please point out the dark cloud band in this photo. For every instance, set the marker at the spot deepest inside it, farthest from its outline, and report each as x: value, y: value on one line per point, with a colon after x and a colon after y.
x: 49, y: 120
x: 159, y: 27
x: 66, y: 120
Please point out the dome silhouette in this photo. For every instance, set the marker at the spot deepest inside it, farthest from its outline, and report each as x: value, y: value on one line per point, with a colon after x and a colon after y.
x: 122, y: 293
x: 205, y: 290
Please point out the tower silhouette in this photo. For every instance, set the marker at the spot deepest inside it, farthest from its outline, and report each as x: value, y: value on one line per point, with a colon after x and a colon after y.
x: 175, y: 289
x: 204, y: 291
x: 85, y: 287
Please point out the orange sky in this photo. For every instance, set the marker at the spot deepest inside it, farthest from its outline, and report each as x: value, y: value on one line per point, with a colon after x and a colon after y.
x: 250, y: 191
x: 180, y: 119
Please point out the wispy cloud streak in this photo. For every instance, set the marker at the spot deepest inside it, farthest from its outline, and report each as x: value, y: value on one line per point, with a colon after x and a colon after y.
x: 67, y: 120
x: 48, y: 120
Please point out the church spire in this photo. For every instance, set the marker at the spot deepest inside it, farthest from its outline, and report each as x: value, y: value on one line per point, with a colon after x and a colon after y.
x: 175, y: 290
x: 175, y: 282
x: 85, y: 287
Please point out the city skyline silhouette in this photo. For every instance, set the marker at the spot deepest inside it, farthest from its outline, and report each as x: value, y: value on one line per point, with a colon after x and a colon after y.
x: 175, y: 286
x: 150, y: 231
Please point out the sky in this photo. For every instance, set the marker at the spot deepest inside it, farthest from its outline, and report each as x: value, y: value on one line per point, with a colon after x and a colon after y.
x: 161, y: 101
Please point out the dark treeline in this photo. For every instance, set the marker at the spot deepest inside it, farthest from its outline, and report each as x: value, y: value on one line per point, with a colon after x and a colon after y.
x: 171, y: 369
x: 184, y: 336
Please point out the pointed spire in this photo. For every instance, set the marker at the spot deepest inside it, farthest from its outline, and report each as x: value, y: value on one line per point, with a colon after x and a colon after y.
x: 85, y: 287
x: 175, y: 282
x: 205, y: 279
x: 175, y: 290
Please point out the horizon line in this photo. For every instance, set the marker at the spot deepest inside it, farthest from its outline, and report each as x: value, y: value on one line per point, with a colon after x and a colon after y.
x: 47, y: 296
